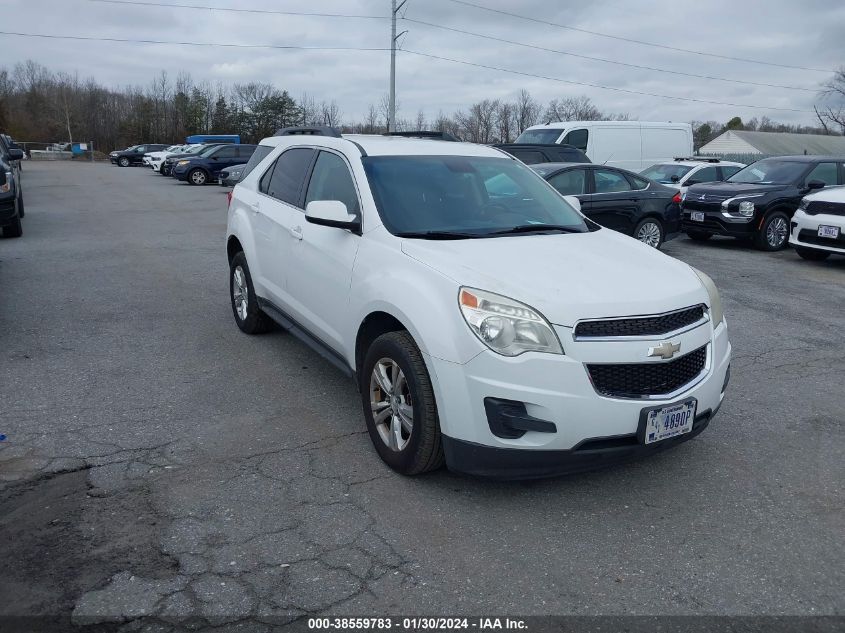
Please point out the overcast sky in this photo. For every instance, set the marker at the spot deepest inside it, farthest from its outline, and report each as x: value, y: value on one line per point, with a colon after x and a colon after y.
x: 808, y: 33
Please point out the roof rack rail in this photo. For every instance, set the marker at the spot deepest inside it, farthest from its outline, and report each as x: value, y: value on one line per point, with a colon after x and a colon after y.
x: 703, y: 159
x: 309, y: 131
x: 429, y: 134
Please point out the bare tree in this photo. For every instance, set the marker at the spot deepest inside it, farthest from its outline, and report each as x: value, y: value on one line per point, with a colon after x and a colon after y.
x: 573, y: 109
x: 330, y: 113
x: 527, y: 111
x: 832, y: 110
x: 420, y: 123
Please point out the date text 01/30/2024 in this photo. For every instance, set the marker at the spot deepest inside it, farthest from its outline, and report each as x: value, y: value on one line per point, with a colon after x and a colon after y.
x: 417, y: 623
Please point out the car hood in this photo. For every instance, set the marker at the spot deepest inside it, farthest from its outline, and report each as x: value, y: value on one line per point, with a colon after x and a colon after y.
x: 731, y: 189
x: 567, y: 277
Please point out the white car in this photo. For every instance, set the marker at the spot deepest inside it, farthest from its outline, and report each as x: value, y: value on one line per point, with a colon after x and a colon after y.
x: 487, y: 323
x: 157, y: 158
x: 684, y: 172
x: 818, y: 226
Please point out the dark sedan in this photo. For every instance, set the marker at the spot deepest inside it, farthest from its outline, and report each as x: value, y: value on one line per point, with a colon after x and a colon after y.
x: 618, y: 199
x: 134, y: 155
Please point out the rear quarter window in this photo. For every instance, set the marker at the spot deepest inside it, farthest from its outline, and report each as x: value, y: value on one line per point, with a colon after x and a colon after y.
x: 261, y: 152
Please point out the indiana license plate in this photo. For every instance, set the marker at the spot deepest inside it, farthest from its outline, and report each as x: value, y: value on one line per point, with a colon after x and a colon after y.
x: 697, y: 216
x: 828, y: 231
x: 673, y: 420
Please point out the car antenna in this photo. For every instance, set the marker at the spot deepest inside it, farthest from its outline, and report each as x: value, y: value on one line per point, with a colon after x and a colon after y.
x: 608, y: 158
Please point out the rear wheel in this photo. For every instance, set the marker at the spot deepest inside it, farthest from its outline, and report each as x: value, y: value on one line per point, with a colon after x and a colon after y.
x: 161, y: 170
x: 650, y: 231
x: 15, y: 229
x: 699, y: 236
x: 812, y: 254
x: 197, y: 177
x: 248, y: 315
x: 399, y: 405
x: 774, y: 233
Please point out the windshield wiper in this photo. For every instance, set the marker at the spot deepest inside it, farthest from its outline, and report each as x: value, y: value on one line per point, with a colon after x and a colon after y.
x: 533, y: 228
x: 440, y: 235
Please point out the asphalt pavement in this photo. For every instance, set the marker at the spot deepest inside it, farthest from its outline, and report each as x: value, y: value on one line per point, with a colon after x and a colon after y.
x: 158, y: 463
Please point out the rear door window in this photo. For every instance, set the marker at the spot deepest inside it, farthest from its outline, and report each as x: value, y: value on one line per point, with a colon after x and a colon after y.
x: 569, y: 183
x: 287, y: 175
x: 259, y: 153
x: 609, y: 181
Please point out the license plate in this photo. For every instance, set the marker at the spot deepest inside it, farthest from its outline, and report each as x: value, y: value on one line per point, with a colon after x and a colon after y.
x: 828, y: 231
x: 673, y: 420
x: 697, y: 216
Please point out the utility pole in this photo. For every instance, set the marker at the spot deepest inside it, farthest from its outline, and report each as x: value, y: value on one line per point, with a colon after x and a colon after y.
x: 391, y: 114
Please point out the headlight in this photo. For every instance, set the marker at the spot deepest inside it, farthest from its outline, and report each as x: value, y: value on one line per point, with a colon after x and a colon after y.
x: 506, y: 326
x: 716, y: 313
x: 746, y: 208
x: 183, y: 162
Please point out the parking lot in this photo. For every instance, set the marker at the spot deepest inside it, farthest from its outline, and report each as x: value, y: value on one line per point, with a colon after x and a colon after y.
x: 158, y: 462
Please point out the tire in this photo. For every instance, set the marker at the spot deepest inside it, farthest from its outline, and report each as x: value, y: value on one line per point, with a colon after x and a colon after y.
x: 249, y: 317
x: 161, y: 170
x: 13, y: 230
x: 393, y: 360
x: 20, y: 207
x: 812, y: 254
x: 774, y: 233
x: 197, y: 177
x: 650, y: 231
x: 699, y: 236
x: 123, y: 161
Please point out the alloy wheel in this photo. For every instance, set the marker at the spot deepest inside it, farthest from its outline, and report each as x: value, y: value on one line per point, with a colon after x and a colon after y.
x: 198, y: 178
x: 391, y: 404
x: 777, y: 232
x: 240, y: 292
x: 649, y: 233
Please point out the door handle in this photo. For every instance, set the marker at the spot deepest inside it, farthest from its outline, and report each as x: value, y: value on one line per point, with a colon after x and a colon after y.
x: 296, y: 231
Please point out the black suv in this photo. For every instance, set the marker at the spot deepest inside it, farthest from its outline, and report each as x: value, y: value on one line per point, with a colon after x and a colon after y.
x: 758, y: 201
x: 11, y: 195
x: 134, y: 155
x: 532, y: 154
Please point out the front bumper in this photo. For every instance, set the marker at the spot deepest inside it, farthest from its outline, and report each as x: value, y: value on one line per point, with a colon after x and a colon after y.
x: 719, y: 223
x: 805, y: 232
x: 180, y: 172
x: 590, y: 429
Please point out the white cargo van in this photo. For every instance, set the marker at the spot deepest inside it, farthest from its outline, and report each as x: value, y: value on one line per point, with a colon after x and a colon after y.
x: 632, y: 145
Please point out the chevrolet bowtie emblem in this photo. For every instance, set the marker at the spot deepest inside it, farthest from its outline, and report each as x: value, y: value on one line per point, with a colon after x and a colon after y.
x: 664, y: 350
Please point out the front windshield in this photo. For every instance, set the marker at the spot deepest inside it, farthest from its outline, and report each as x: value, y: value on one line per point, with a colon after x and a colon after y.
x: 664, y: 173
x: 770, y: 171
x: 465, y: 196
x: 543, y: 136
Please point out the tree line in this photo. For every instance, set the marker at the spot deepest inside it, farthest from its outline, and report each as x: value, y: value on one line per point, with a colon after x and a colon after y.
x: 39, y: 105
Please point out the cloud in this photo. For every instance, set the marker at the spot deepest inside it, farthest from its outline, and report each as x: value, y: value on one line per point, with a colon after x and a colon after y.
x: 776, y: 31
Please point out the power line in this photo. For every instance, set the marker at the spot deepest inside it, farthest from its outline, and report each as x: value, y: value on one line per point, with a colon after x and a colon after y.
x: 591, y: 85
x: 600, y: 59
x: 211, y: 44
x: 169, y: 5
x: 633, y: 41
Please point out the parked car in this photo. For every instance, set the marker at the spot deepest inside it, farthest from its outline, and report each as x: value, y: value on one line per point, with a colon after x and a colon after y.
x: 492, y: 327
x: 134, y: 155
x: 149, y: 156
x: 618, y: 199
x: 757, y: 202
x: 157, y: 158
x: 818, y: 226
x: 11, y: 192
x: 683, y: 172
x: 533, y: 154
x: 230, y: 176
x: 166, y: 168
x: 206, y: 167
x: 631, y: 145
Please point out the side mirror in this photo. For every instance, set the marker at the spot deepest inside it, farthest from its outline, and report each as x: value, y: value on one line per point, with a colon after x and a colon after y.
x: 816, y: 184
x: 574, y: 201
x: 331, y: 213
x: 15, y: 154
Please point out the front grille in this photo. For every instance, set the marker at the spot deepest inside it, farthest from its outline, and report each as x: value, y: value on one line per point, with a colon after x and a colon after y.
x: 809, y: 236
x: 814, y: 207
x: 640, y: 326
x: 647, y: 379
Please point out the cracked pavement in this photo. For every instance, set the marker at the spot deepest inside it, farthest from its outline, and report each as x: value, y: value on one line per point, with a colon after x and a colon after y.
x: 164, y: 472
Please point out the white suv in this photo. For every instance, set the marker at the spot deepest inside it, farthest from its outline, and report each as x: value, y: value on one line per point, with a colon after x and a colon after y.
x: 818, y: 226
x: 684, y: 172
x: 487, y: 323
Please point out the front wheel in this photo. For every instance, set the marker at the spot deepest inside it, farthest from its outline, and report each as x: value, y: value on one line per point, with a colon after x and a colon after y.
x: 197, y: 177
x: 15, y: 229
x: 811, y: 254
x: 399, y: 405
x: 123, y: 162
x: 650, y: 231
x: 774, y: 233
